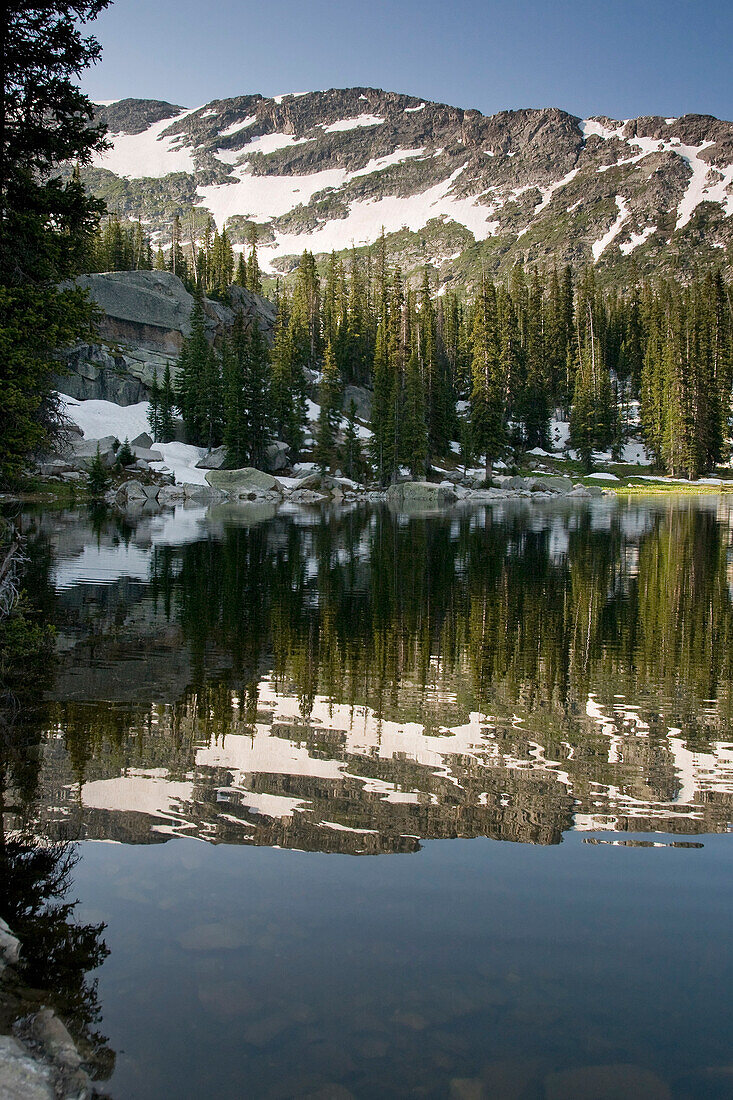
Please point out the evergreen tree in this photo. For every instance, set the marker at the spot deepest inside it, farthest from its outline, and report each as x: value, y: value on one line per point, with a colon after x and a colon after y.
x: 200, y: 397
x: 254, y: 276
x: 488, y: 414
x: 154, y: 407
x: 98, y: 477
x: 288, y: 400
x: 329, y: 416
x: 46, y: 224
x: 166, y: 426
x: 352, y: 460
x: 414, y: 432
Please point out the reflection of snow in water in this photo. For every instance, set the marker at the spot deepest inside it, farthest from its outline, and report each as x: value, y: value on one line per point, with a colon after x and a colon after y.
x: 275, y: 748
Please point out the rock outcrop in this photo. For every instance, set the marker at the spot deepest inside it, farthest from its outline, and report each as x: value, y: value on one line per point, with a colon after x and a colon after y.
x: 143, y: 318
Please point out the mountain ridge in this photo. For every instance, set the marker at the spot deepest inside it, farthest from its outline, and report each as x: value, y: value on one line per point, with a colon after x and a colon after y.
x: 454, y: 189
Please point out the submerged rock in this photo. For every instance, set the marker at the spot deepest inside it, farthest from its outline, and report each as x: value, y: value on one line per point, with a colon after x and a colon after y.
x: 616, y: 1082
x: 21, y: 1076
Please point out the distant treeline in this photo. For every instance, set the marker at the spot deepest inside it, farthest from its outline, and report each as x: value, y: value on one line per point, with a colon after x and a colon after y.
x: 489, y: 373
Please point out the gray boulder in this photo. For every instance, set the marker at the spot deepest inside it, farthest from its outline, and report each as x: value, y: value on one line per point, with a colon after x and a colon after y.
x: 130, y: 493
x: 310, y: 481
x: 142, y: 440
x: 551, y: 484
x: 420, y: 493
x: 362, y: 399
x: 171, y: 494
x: 9, y: 947
x: 87, y: 448
x: 213, y: 460
x: 146, y: 454
x: 277, y: 455
x: 240, y: 482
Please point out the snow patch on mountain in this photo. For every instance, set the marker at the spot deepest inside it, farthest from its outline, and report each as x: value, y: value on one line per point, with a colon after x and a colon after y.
x: 263, y: 197
x: 600, y: 246
x: 635, y: 239
x: 366, y: 218
x: 150, y: 154
x: 235, y: 127
x: 548, y: 192
x: 353, y: 123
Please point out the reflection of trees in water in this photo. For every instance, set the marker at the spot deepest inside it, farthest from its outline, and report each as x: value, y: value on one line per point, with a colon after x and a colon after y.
x: 357, y: 606
x: 57, y: 950
x: 425, y: 621
x: 35, y: 877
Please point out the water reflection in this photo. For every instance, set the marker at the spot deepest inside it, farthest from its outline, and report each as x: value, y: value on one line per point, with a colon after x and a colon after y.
x: 359, y: 681
x: 58, y: 950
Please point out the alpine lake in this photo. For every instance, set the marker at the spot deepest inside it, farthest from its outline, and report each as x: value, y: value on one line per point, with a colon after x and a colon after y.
x: 374, y: 804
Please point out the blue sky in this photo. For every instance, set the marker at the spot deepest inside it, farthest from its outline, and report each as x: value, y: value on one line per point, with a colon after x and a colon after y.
x: 619, y: 58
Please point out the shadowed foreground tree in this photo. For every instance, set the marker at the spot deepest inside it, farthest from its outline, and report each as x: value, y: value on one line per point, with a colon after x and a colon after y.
x: 45, y: 223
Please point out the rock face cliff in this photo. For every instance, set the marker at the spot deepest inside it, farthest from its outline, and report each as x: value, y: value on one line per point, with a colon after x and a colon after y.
x: 451, y: 187
x: 142, y: 320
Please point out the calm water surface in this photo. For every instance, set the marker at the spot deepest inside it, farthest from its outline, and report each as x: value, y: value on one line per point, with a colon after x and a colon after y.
x: 244, y: 701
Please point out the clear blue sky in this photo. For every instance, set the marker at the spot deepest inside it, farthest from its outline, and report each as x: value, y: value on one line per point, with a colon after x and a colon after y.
x: 620, y: 58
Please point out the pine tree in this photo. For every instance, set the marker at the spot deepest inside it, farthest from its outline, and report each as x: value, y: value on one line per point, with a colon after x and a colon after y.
x: 154, y: 407
x: 98, y: 477
x: 254, y: 277
x: 352, y: 460
x: 329, y: 416
x: 288, y: 400
x: 46, y: 224
x: 488, y: 414
x: 166, y: 426
x: 414, y: 431
x: 200, y: 397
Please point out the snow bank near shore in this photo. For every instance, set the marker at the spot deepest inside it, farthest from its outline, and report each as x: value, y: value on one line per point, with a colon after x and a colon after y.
x: 99, y: 418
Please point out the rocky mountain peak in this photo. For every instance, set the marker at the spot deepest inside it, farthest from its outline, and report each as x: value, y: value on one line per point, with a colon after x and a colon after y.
x: 452, y: 187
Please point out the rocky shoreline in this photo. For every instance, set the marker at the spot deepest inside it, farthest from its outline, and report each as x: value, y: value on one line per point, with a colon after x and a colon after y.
x: 38, y: 1057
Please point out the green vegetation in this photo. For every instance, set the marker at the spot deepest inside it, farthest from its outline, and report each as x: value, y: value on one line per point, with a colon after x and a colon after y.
x: 45, y: 222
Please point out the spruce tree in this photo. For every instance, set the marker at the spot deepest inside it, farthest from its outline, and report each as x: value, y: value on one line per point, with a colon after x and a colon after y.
x: 329, y: 417
x: 254, y: 276
x: 166, y: 426
x: 488, y: 413
x: 154, y: 407
x: 46, y: 224
x: 352, y: 460
x: 414, y: 430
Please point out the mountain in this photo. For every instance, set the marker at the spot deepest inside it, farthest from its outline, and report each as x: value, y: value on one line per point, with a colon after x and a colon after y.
x: 453, y: 188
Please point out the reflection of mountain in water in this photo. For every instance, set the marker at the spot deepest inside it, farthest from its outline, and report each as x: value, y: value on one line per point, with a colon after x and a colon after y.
x: 362, y: 682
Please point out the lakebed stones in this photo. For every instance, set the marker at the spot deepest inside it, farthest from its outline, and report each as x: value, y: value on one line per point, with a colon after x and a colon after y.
x: 22, y: 1077
x: 614, y: 1082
